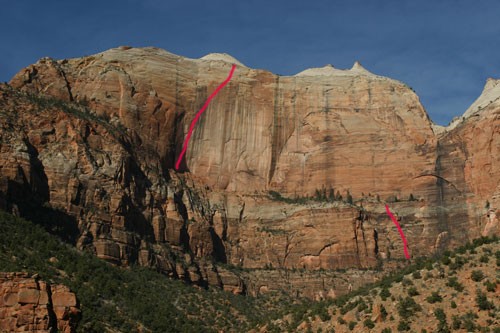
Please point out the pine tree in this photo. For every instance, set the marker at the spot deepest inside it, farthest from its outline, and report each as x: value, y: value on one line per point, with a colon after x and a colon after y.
x: 331, y: 195
x: 318, y: 194
x: 349, y: 198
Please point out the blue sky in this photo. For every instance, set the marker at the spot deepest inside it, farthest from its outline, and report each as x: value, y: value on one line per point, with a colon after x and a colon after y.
x: 445, y: 50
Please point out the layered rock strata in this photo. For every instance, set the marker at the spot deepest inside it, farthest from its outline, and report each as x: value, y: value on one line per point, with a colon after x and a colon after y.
x: 96, y: 138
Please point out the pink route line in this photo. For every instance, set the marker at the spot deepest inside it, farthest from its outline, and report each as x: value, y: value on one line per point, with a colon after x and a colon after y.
x: 198, y: 115
x: 400, y: 231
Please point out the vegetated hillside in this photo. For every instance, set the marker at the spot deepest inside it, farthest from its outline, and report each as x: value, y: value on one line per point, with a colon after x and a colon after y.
x: 457, y: 292
x: 127, y: 300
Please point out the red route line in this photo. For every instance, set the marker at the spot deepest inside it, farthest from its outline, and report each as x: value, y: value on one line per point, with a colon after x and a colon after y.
x: 198, y: 115
x: 400, y: 231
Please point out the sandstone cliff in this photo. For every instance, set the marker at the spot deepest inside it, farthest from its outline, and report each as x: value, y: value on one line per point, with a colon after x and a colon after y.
x: 28, y: 304
x: 103, y: 159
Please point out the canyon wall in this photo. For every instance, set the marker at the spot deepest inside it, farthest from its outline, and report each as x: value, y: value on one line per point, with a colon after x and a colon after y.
x: 92, y: 143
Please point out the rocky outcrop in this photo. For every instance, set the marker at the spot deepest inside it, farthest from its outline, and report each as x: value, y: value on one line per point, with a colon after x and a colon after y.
x: 79, y: 176
x: 28, y: 304
x: 93, y: 141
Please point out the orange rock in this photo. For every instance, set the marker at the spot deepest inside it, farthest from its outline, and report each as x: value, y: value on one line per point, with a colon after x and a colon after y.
x: 10, y: 299
x: 27, y: 307
x: 351, y: 131
x: 28, y: 296
x: 64, y: 298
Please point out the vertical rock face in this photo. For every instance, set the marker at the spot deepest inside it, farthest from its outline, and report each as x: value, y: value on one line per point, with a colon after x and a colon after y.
x: 101, y: 145
x: 350, y: 129
x: 30, y: 305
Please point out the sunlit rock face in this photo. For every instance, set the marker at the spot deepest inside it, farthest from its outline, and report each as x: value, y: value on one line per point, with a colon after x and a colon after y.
x: 325, y: 132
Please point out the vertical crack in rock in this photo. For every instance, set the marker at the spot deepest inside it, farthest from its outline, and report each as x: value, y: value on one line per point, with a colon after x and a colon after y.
x: 68, y: 85
x: 442, y: 215
x: 38, y: 178
x: 439, y: 180
x: 184, y: 238
x: 355, y: 226
x: 222, y: 145
x: 364, y: 239
x: 294, y: 110
x: 327, y: 145
x: 178, y: 124
x: 178, y: 128
x: 50, y: 310
x: 225, y: 224
x: 275, y: 131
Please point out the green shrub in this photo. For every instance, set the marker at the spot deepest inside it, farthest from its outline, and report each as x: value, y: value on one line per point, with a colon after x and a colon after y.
x: 453, y: 305
x: 276, y: 196
x: 407, y: 307
x: 369, y: 323
x: 384, y: 293
x: 477, y: 275
x: 453, y: 282
x: 457, y: 263
x: 490, y: 286
x: 362, y: 306
x: 403, y: 326
x: 386, y: 330
x: 446, y: 260
x: 352, y: 324
x: 434, y: 298
x: 349, y: 198
x: 429, y: 265
x: 456, y: 322
x: 324, y: 314
x: 407, y: 282
x: 439, y: 314
x: 441, y: 317
x: 383, y: 312
x: 482, y: 301
x: 443, y: 327
x: 468, y: 321
x: 484, y: 258
x: 417, y: 275
x: 412, y: 291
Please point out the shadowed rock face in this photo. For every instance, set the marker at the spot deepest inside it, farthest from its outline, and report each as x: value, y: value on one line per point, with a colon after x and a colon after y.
x: 107, y: 167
